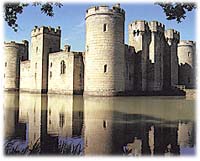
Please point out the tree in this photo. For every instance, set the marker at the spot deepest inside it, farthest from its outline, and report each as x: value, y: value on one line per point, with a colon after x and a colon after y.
x: 177, y: 11
x: 172, y: 11
x: 12, y: 10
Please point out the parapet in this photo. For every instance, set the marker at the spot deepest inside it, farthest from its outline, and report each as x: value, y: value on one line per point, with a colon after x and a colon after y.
x: 25, y: 42
x: 77, y: 53
x: 15, y: 44
x: 139, y: 25
x: 67, y: 48
x: 186, y: 43
x: 156, y: 26
x: 104, y: 9
x: 48, y: 30
x: 172, y: 35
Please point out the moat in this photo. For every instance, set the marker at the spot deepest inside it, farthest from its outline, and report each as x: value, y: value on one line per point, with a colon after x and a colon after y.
x: 36, y: 124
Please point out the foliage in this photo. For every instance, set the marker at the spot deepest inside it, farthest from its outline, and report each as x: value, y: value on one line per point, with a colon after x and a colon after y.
x: 177, y: 11
x: 12, y: 10
x: 172, y: 11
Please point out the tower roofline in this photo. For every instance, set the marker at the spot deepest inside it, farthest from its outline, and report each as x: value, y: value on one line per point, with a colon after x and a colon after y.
x: 104, y: 9
x: 44, y: 29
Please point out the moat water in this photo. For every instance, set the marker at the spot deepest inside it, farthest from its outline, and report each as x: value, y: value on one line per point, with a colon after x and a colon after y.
x: 37, y: 124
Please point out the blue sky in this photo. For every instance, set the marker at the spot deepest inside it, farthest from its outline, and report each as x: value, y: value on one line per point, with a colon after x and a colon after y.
x: 71, y: 18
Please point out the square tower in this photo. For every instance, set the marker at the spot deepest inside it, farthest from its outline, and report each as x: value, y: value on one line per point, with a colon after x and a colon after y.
x: 139, y: 38
x: 44, y: 40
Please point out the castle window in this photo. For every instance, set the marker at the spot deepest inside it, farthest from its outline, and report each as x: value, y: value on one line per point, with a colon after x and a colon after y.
x: 50, y: 74
x: 138, y: 32
x: 5, y: 64
x: 104, y: 124
x: 51, y: 64
x: 104, y: 27
x: 61, y: 120
x: 62, y: 65
x: 87, y: 48
x: 105, y: 68
x: 134, y: 33
x: 36, y: 49
x: 35, y: 75
x: 35, y: 65
x: 189, y: 54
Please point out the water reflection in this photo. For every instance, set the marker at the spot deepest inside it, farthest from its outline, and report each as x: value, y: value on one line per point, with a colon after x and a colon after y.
x: 73, y: 125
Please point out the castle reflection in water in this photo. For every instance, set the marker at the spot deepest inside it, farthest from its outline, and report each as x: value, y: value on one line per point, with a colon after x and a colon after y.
x: 76, y: 125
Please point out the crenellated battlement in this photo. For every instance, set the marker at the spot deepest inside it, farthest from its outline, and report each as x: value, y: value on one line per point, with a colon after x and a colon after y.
x: 104, y: 9
x: 186, y: 43
x: 15, y: 44
x: 172, y: 34
x: 48, y: 30
x: 156, y: 26
x: 139, y: 26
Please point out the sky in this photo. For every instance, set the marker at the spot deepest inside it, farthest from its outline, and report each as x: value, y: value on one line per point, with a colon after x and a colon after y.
x: 71, y: 19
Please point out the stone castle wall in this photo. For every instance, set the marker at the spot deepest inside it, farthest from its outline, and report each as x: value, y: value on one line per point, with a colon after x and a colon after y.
x: 25, y: 75
x: 108, y: 67
x: 66, y: 73
x: 13, y: 53
x: 61, y: 82
x: 78, y: 73
x: 186, y: 54
x: 104, y: 57
x: 129, y: 68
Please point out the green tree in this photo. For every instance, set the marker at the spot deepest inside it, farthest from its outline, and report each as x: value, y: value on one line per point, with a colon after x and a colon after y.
x: 173, y: 11
x: 12, y: 10
x: 177, y: 11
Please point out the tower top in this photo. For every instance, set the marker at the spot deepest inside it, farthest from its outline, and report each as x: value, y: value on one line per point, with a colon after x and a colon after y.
x: 172, y: 34
x: 46, y: 30
x: 16, y: 44
x: 104, y: 9
x: 156, y: 26
x: 186, y: 43
x: 139, y: 25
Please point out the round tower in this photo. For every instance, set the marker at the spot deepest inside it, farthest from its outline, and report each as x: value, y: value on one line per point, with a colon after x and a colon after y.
x: 13, y: 53
x: 186, y: 50
x: 104, y: 57
x: 186, y: 54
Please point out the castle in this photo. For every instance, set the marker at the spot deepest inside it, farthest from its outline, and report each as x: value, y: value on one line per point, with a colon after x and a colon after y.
x: 153, y: 61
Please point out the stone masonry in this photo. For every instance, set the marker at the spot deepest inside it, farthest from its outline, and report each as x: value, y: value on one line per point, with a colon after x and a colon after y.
x: 153, y: 61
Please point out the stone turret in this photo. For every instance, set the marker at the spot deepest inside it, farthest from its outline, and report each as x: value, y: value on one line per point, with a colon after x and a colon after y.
x: 186, y: 57
x: 186, y: 52
x: 172, y: 38
x: 139, y: 37
x: 44, y: 40
x: 13, y: 53
x: 156, y: 51
x: 104, y: 57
